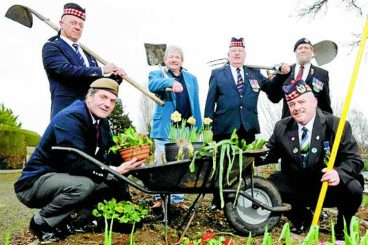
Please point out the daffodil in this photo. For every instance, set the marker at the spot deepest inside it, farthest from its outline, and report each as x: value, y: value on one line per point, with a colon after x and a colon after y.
x: 191, y: 120
x: 207, y: 121
x: 176, y: 116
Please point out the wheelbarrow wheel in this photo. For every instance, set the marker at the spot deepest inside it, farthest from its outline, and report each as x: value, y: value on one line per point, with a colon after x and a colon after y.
x: 245, y: 217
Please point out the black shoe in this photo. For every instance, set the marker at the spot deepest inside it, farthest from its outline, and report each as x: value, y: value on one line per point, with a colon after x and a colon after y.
x: 298, y: 229
x: 44, y: 232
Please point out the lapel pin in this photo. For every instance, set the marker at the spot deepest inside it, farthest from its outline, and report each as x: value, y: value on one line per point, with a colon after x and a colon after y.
x: 295, y: 150
x: 317, y: 138
x: 314, y: 150
x: 293, y: 138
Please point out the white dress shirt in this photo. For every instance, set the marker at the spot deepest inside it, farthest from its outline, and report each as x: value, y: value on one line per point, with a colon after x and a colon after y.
x: 70, y: 43
x: 305, y: 71
x: 235, y: 73
x: 309, y: 126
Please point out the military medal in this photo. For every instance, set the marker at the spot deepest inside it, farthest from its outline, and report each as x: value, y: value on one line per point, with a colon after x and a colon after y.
x: 254, y: 84
x: 317, y: 85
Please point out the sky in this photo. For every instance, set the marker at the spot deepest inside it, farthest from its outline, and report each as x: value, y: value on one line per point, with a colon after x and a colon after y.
x: 117, y: 30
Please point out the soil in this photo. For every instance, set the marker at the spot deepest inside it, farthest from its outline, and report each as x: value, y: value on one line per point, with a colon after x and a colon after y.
x: 15, y: 219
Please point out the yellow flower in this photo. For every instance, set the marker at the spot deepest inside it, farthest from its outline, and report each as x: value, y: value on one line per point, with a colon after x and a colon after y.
x: 207, y: 121
x: 191, y: 120
x: 176, y: 116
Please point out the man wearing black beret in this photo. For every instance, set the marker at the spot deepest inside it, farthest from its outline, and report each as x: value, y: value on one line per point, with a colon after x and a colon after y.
x: 317, y: 78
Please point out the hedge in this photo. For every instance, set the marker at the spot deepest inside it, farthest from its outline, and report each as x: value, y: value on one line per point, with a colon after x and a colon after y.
x: 13, y: 146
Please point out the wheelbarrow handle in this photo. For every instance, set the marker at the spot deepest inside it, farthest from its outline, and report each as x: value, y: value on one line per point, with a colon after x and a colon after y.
x: 106, y: 168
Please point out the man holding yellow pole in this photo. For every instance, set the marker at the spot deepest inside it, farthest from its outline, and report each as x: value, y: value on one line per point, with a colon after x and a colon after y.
x: 303, y: 142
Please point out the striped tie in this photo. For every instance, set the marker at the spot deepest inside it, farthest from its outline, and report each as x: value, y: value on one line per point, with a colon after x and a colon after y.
x: 239, y: 82
x: 300, y: 73
x: 97, y: 131
x: 75, y: 45
x: 304, y: 147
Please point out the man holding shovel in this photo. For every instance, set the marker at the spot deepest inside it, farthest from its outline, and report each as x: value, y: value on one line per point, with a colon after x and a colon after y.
x: 317, y: 78
x: 183, y: 98
x: 69, y: 69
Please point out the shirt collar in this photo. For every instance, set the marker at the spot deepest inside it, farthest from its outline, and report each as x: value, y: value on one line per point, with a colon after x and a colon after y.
x: 309, y: 125
x: 68, y: 41
x: 94, y: 120
x: 234, y: 69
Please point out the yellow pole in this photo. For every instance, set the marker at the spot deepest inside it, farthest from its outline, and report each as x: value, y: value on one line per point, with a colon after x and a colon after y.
x: 341, y: 125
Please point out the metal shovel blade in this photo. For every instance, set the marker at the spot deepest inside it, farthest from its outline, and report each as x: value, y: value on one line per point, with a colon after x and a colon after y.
x: 155, y: 53
x: 20, y: 14
x: 324, y: 52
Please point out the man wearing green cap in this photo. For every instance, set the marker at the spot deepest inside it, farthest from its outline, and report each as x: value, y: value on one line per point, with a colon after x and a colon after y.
x: 61, y: 182
x: 303, y: 142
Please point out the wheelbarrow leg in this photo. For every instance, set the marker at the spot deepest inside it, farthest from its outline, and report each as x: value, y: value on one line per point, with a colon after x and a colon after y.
x: 194, y: 206
x: 166, y: 205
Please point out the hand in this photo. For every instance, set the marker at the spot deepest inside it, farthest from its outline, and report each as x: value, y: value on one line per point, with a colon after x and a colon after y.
x: 126, y: 167
x: 177, y: 87
x: 284, y: 69
x: 331, y: 176
x: 120, y: 72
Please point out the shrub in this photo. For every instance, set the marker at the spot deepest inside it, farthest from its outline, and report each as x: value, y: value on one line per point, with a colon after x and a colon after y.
x: 13, y: 145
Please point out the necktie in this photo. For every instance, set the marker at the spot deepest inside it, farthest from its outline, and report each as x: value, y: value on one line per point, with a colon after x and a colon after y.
x: 239, y: 82
x: 75, y: 45
x: 97, y: 131
x: 300, y: 73
x: 304, y: 147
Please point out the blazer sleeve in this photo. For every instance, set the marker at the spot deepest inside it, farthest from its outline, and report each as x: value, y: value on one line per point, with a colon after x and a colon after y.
x: 55, y: 62
x: 71, y: 131
x: 348, y: 163
x: 158, y: 83
x: 273, y: 87
x: 273, y: 154
x: 211, y: 96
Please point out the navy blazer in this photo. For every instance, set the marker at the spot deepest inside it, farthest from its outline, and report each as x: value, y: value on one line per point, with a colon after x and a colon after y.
x: 317, y: 79
x: 72, y: 127
x: 69, y: 79
x: 284, y: 144
x: 230, y: 109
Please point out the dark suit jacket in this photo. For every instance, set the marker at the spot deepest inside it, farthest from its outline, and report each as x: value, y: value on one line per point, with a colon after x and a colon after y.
x: 72, y: 127
x: 228, y: 108
x: 69, y: 79
x: 317, y: 79
x: 284, y: 144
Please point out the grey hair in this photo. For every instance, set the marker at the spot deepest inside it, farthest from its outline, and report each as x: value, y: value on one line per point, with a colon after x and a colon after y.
x: 91, y: 91
x: 173, y: 48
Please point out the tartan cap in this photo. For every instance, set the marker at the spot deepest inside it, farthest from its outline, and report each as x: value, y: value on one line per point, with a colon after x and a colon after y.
x: 237, y: 42
x: 295, y: 88
x: 74, y: 9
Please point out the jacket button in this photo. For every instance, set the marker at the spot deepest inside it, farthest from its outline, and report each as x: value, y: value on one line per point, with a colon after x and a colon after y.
x: 241, y: 107
x: 241, y: 96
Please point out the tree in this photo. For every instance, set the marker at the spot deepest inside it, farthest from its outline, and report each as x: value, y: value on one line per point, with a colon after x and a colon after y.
x: 146, y: 107
x: 269, y: 114
x: 359, y: 125
x: 8, y: 118
x: 118, y: 121
x: 321, y: 5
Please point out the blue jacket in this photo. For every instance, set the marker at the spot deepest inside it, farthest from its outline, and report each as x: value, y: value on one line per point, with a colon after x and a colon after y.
x: 71, y: 127
x: 230, y: 109
x: 69, y: 79
x: 162, y: 116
